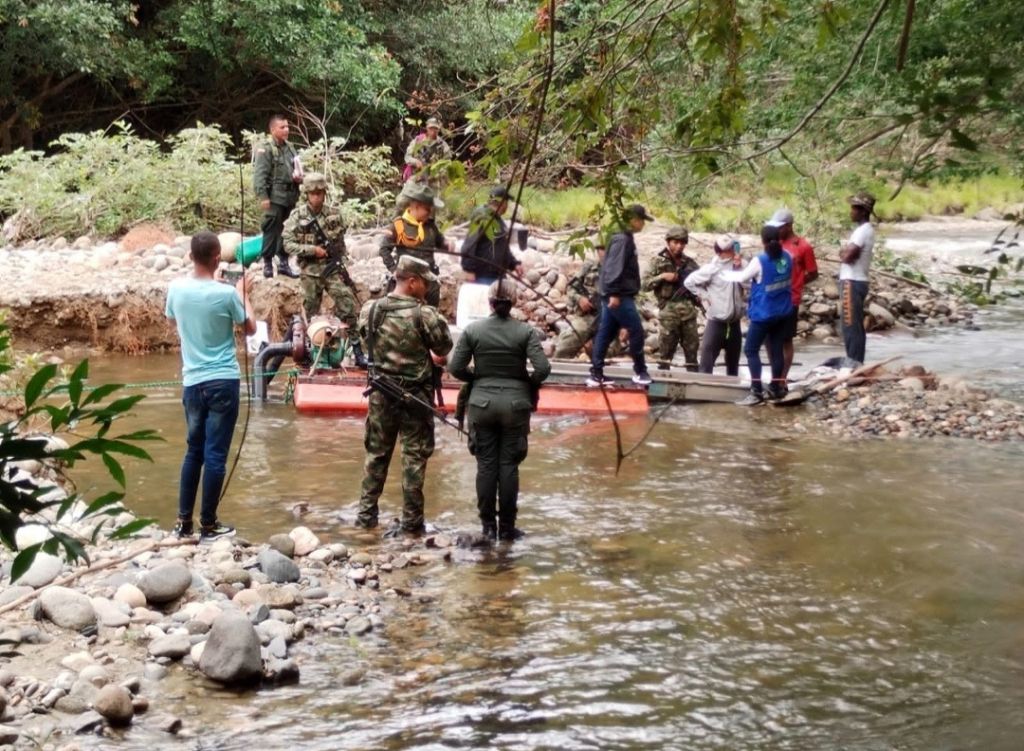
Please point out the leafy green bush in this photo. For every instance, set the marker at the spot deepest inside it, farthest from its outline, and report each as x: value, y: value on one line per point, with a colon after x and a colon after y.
x: 86, y: 417
x: 103, y: 183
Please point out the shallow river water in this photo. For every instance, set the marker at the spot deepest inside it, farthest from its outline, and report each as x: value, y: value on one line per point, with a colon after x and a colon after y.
x: 735, y: 586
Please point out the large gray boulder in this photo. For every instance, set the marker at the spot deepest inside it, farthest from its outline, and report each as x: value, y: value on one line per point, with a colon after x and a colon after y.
x: 67, y: 608
x: 232, y: 652
x: 44, y: 569
x: 277, y: 567
x: 165, y: 583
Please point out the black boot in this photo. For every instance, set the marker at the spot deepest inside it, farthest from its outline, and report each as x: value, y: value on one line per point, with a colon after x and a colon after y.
x: 489, y: 530
x: 358, y: 358
x: 777, y: 390
x: 507, y: 532
x: 268, y: 267
x: 284, y: 269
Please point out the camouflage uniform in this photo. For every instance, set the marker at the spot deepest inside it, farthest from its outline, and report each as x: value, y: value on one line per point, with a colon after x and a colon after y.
x: 584, y: 325
x: 400, y: 239
x: 272, y: 179
x: 678, y: 315
x: 404, y: 333
x: 300, y: 241
x: 429, y: 152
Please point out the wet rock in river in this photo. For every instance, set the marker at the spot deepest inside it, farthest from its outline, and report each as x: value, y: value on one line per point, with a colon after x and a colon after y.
x: 174, y: 646
x: 305, y: 541
x: 232, y: 652
x: 115, y: 704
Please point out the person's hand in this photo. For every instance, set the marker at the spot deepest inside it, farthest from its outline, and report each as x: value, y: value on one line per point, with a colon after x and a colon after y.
x: 670, y: 276
x: 624, y: 337
x: 320, y: 252
x: 265, y: 204
x: 613, y: 301
x: 585, y: 305
x: 518, y: 270
x: 439, y: 360
x: 244, y: 285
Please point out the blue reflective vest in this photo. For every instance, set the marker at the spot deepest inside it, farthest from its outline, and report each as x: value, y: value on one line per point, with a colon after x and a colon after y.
x: 771, y: 298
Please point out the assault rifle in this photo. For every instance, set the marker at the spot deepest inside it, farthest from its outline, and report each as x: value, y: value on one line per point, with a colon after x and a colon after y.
x: 594, y: 297
x: 335, y: 254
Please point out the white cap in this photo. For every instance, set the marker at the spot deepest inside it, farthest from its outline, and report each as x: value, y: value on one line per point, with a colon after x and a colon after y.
x: 725, y: 242
x: 780, y: 218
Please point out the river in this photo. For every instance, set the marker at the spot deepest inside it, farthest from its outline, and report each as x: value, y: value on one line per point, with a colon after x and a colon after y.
x: 734, y: 586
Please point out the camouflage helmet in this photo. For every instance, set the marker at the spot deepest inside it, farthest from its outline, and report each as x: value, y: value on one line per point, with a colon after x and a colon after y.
x: 502, y: 290
x: 413, y: 266
x: 678, y: 232
x: 433, y: 122
x: 314, y: 181
x: 864, y: 200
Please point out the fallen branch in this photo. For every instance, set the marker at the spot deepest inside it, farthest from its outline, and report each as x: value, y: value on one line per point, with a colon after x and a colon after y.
x: 887, y: 275
x: 73, y: 577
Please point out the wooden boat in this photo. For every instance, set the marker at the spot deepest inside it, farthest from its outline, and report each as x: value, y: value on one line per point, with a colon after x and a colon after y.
x: 565, y: 391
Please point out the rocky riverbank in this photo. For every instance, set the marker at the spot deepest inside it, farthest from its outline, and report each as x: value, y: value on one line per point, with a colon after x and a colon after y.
x: 911, y: 402
x: 92, y: 649
x: 111, y: 295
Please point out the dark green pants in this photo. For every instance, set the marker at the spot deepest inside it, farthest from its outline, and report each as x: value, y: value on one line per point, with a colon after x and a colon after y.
x: 499, y: 426
x: 272, y: 227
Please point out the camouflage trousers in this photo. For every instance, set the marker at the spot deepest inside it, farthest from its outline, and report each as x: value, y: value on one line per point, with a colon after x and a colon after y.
x: 386, y: 422
x: 678, y: 323
x: 572, y: 341
x: 313, y: 288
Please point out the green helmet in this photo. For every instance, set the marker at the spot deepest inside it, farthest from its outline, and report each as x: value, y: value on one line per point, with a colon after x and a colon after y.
x: 314, y: 181
x: 421, y: 193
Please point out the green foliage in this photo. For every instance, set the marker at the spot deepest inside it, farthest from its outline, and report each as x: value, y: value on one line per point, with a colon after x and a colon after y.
x: 104, y: 183
x: 86, y: 416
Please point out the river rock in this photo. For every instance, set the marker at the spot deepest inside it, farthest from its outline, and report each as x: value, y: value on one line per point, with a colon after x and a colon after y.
x: 130, y: 595
x: 232, y: 652
x: 154, y: 671
x: 287, y: 597
x: 67, y: 608
x: 109, y: 614
x: 277, y: 567
x: 271, y: 629
x: 359, y: 625
x: 305, y: 541
x: 913, y: 384
x: 97, y: 675
x: 160, y: 263
x: 44, y: 569
x: 283, y: 544
x: 87, y: 722
x: 10, y: 594
x: 322, y: 555
x: 884, y: 317
x: 115, y: 704
x: 281, y: 671
x: 174, y: 646
x: 237, y: 576
x: 165, y: 583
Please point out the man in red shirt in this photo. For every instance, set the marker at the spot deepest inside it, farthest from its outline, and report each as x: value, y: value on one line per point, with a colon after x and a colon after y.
x: 805, y: 269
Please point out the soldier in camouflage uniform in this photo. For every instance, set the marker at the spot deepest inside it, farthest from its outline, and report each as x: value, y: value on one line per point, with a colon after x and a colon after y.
x: 678, y: 316
x: 276, y: 175
x: 581, y: 295
x: 415, y: 233
x: 423, y: 151
x: 405, y: 339
x: 319, y: 272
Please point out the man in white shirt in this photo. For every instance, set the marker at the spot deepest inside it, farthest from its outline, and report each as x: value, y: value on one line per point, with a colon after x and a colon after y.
x: 853, y: 274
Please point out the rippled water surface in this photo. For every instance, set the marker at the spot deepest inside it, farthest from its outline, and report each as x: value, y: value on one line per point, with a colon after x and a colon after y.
x: 734, y: 587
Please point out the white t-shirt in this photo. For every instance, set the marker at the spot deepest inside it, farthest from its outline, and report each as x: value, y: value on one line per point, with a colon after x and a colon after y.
x: 864, y: 238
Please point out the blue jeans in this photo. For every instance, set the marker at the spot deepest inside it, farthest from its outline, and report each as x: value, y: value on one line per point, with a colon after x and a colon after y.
x: 774, y: 331
x: 211, y: 410
x: 613, y: 320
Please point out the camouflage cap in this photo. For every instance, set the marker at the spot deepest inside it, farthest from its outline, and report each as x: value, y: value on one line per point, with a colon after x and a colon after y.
x: 678, y: 232
x: 503, y: 289
x: 637, y: 211
x: 421, y: 193
x: 863, y: 199
x: 412, y: 265
x: 314, y: 181
x: 433, y: 122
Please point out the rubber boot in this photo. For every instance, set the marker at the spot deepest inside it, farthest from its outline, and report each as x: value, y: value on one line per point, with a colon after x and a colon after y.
x: 284, y: 269
x: 489, y: 530
x: 268, y: 267
x: 358, y: 358
x: 507, y: 531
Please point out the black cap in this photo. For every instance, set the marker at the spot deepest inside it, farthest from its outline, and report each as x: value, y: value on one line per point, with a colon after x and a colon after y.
x: 500, y: 193
x: 638, y: 212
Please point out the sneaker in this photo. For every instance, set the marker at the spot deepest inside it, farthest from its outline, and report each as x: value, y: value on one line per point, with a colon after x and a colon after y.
x: 596, y: 382
x: 214, y: 531
x: 752, y: 399
x: 642, y: 379
x: 776, y: 391
x: 183, y: 529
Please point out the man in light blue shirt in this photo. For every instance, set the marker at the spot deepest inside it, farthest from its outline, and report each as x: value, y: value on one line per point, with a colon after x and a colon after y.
x: 205, y: 313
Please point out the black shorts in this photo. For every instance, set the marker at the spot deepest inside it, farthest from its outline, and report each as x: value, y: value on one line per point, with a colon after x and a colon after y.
x: 789, y: 328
